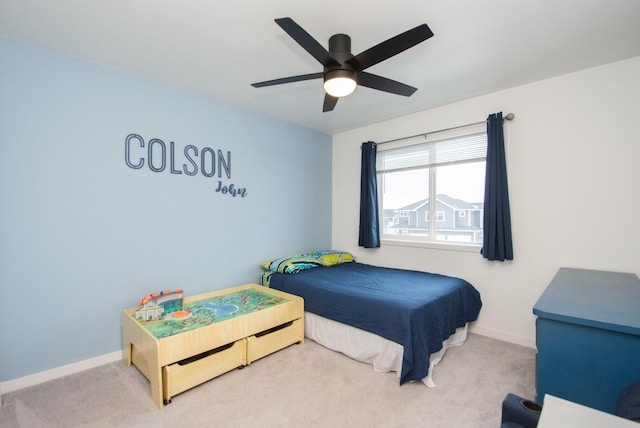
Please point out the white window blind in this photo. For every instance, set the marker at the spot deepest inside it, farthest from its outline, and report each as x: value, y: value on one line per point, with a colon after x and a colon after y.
x: 440, y: 151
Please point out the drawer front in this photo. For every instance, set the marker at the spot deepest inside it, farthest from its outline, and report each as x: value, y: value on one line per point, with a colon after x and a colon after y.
x: 179, y: 377
x: 585, y: 365
x: 273, y: 340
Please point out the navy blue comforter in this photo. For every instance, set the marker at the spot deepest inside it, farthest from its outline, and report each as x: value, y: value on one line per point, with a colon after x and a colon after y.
x: 418, y: 310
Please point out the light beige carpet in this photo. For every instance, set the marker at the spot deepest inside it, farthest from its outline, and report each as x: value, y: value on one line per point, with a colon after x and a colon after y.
x: 300, y: 386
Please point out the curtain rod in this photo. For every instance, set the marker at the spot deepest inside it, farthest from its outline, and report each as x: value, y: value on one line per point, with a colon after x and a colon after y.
x: 508, y: 116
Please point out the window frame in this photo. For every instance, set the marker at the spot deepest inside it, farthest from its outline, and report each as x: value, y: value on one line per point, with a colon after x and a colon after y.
x: 431, y: 242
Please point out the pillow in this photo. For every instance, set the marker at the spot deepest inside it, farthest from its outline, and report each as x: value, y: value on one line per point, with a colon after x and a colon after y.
x: 332, y: 257
x: 265, y: 277
x: 291, y: 264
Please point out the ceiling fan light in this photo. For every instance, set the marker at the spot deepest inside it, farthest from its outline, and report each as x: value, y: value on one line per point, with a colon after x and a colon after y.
x: 339, y: 86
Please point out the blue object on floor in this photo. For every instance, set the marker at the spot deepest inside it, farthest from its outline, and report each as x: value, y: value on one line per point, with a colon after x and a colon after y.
x: 518, y: 412
x: 629, y: 402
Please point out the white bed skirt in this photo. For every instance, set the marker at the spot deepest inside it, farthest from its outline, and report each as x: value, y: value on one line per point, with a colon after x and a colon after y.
x: 366, y: 347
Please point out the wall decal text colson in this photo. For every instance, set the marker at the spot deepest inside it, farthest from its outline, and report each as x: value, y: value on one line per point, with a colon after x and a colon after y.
x: 191, y: 161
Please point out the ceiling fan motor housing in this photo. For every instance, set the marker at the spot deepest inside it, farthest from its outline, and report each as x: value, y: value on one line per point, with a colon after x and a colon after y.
x: 340, y: 50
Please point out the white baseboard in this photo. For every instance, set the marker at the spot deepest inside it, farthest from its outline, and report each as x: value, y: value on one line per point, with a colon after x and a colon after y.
x: 501, y: 335
x: 58, y: 372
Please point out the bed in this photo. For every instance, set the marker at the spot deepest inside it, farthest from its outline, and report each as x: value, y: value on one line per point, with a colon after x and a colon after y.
x: 398, y: 320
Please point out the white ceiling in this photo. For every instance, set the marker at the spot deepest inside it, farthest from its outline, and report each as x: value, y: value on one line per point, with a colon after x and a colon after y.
x: 218, y: 49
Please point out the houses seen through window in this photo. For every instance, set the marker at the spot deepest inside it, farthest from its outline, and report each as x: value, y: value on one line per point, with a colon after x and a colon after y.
x: 449, y: 169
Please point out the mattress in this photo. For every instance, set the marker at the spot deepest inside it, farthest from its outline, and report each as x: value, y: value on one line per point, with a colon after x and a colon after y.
x: 417, y: 310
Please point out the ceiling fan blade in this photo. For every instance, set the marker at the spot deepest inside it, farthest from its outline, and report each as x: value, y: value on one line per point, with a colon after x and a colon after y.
x: 305, y: 40
x: 380, y: 83
x: 329, y: 103
x: 288, y: 80
x: 390, y: 47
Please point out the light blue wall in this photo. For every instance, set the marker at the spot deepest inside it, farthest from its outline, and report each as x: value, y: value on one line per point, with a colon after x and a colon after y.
x: 83, y: 236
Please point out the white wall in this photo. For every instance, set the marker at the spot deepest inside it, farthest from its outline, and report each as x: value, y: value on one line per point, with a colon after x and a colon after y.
x: 572, y: 153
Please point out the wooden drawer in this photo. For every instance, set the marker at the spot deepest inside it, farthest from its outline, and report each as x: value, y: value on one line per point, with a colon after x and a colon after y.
x: 193, y: 371
x: 274, y: 339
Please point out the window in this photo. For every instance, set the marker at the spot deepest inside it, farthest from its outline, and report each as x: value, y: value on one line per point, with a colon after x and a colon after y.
x: 449, y: 169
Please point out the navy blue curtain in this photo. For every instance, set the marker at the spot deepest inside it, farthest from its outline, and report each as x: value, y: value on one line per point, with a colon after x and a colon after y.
x: 369, y: 236
x: 497, y: 243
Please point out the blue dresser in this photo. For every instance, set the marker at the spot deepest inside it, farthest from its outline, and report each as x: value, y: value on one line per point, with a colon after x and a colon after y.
x: 588, y: 337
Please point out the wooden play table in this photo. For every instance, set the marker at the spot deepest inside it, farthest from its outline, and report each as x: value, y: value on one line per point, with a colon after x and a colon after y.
x: 224, y: 330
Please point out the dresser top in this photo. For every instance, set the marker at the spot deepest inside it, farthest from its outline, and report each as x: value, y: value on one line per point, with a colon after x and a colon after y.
x: 600, y: 299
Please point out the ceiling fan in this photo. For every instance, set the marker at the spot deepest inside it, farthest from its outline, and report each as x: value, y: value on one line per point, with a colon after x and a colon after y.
x: 342, y: 70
